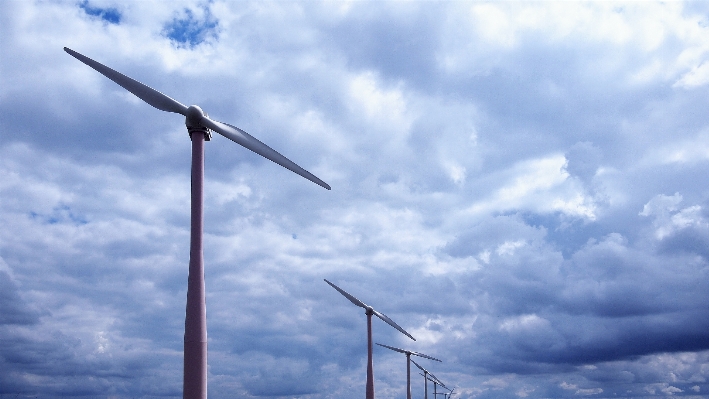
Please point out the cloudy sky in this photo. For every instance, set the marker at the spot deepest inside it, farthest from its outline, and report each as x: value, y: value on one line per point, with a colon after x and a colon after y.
x: 518, y: 185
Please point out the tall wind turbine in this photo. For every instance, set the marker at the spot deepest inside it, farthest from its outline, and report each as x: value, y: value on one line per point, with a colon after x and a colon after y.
x: 369, y: 311
x: 408, y: 364
x: 198, y: 127
x: 426, y: 378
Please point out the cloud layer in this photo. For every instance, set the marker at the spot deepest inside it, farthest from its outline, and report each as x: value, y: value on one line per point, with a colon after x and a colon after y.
x: 519, y: 185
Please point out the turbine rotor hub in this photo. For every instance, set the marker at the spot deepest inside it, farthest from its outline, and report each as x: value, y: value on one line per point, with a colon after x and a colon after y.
x: 193, y: 121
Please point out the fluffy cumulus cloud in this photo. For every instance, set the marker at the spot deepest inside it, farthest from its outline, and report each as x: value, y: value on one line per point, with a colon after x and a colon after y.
x: 521, y: 186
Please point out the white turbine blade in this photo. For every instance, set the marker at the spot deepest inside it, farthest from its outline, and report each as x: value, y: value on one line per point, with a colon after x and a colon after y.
x: 417, y: 365
x: 392, y: 348
x: 437, y: 380
x: 426, y: 356
x: 391, y: 323
x: 409, y: 352
x: 145, y: 93
x: 242, y: 138
x: 348, y: 296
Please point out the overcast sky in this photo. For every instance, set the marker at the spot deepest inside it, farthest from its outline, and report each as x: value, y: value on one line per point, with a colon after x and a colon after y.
x: 521, y: 186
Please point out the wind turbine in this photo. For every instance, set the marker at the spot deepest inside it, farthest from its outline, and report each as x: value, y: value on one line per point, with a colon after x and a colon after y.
x: 445, y: 395
x: 198, y: 127
x: 436, y: 382
x: 426, y: 378
x: 369, y: 311
x: 408, y: 364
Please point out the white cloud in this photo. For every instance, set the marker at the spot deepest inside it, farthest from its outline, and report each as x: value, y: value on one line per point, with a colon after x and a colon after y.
x: 589, y: 391
x: 495, y: 171
x: 539, y: 185
x: 668, y: 218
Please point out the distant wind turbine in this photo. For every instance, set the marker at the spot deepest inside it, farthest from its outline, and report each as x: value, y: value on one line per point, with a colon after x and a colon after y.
x: 426, y: 378
x: 369, y: 311
x: 435, y: 382
x: 198, y: 127
x: 408, y: 364
x: 445, y: 395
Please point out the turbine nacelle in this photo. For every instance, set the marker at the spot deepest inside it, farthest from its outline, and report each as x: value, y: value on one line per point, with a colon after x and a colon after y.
x: 194, y: 120
x: 194, y: 116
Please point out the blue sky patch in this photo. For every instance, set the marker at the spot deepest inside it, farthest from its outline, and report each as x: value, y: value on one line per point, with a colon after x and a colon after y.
x: 110, y: 15
x: 189, y: 30
x: 60, y: 214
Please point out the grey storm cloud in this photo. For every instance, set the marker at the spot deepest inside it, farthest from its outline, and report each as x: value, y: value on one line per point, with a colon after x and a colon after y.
x: 518, y: 185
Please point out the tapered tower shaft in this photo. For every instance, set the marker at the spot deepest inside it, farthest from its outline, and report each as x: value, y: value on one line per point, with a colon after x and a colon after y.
x: 408, y: 375
x: 370, y: 361
x: 195, y: 356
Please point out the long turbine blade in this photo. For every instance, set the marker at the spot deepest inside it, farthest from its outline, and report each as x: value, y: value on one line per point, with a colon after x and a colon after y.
x: 393, y: 348
x: 409, y: 352
x: 432, y: 379
x: 417, y: 365
x: 425, y: 356
x: 240, y: 137
x: 429, y: 375
x: 145, y: 93
x: 348, y: 296
x: 437, y: 380
x: 391, y: 323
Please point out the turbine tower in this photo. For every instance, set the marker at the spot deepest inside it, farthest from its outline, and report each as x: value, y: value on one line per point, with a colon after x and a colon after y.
x: 408, y: 364
x: 198, y: 127
x: 369, y: 311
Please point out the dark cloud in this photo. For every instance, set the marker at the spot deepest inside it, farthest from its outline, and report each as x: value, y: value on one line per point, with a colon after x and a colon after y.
x: 13, y: 310
x: 583, y: 160
x: 517, y: 185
